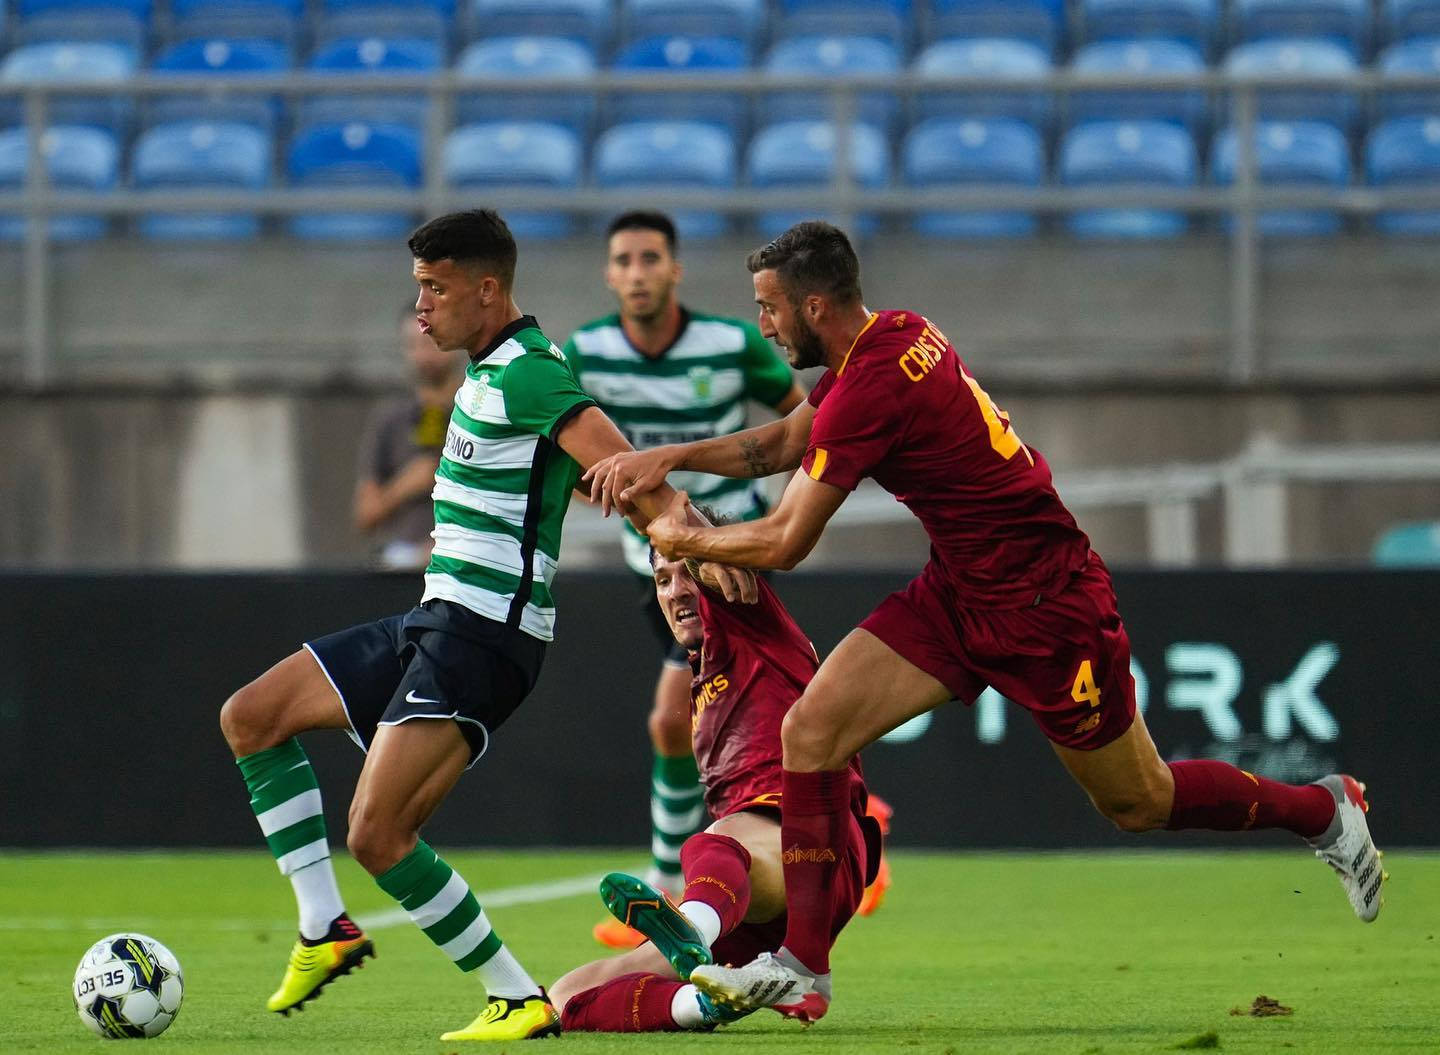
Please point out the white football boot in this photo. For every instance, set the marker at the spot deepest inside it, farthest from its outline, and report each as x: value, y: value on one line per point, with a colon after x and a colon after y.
x: 1346, y: 846
x: 774, y: 981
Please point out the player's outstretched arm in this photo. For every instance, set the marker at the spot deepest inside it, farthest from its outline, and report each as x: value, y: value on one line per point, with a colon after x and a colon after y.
x: 775, y: 447
x: 780, y: 540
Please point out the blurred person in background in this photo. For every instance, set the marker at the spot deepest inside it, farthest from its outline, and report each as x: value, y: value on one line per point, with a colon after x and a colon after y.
x: 666, y: 373
x: 400, y: 451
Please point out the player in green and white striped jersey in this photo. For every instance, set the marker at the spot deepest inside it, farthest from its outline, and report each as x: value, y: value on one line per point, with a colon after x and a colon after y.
x: 667, y: 374
x: 519, y: 434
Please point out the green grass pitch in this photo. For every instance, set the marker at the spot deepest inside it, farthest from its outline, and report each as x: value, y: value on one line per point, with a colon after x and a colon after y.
x: 1077, y: 953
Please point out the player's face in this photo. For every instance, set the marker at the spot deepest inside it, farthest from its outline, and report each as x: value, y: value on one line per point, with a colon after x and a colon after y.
x: 429, y: 363
x: 679, y: 598
x: 451, y: 306
x: 642, y: 272
x: 783, y: 324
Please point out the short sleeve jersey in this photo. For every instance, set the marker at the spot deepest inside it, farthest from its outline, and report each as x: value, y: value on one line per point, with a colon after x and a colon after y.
x: 504, y: 485
x: 753, y: 665
x: 903, y: 410
x: 695, y: 389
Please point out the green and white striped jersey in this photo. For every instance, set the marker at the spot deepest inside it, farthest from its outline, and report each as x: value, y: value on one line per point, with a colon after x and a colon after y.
x: 503, y: 484
x: 697, y: 388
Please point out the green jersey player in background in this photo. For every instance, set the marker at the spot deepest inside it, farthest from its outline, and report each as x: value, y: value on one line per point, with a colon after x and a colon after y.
x: 666, y: 373
x: 520, y: 432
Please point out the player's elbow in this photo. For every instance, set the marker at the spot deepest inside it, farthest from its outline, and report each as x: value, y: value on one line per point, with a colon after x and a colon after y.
x: 791, y: 547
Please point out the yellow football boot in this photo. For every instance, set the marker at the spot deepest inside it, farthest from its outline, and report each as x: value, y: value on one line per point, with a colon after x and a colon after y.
x: 313, y: 967
x: 507, y: 1019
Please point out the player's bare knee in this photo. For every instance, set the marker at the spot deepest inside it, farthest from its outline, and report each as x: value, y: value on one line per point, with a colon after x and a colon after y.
x: 377, y: 847
x: 1139, y: 814
x: 248, y: 722
x: 808, y: 743
x: 669, y: 732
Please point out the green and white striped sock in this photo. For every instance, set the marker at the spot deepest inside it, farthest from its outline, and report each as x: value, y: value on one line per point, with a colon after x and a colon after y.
x: 286, y: 801
x: 441, y: 904
x: 676, y: 809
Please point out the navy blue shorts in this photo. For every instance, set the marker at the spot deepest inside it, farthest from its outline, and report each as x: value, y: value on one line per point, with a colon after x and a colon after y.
x: 439, y: 660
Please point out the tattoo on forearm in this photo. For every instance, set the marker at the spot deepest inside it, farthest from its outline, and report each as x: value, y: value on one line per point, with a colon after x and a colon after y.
x: 755, y: 461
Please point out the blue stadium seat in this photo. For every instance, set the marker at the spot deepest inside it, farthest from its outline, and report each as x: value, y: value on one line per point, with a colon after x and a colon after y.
x: 379, y: 57
x: 84, y: 63
x: 1268, y: 58
x: 1001, y: 60
x: 588, y: 21
x: 1404, y: 19
x: 1344, y: 22
x: 230, y: 58
x: 443, y: 8
x: 113, y: 26
x: 887, y: 20
x: 1411, y: 545
x: 200, y: 155
x: 1193, y: 22
x: 397, y: 24
x: 1127, y: 154
x: 1136, y: 59
x: 1300, y: 153
x: 76, y: 158
x: 797, y: 154
x: 836, y: 57
x: 740, y: 20
x: 682, y: 55
x: 649, y: 154
x: 1041, y: 22
x: 525, y: 58
x: 1405, y: 152
x: 943, y: 152
x: 503, y: 155
x: 275, y: 20
x: 138, y: 9
x: 1418, y: 56
x: 377, y: 157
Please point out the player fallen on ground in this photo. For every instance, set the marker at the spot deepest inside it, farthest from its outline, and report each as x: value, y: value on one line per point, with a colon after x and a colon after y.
x: 520, y: 431
x: 664, y: 372
x: 1013, y: 597
x: 749, y: 663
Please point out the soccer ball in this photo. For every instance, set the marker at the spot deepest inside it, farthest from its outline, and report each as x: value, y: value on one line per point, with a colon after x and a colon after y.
x: 128, y: 985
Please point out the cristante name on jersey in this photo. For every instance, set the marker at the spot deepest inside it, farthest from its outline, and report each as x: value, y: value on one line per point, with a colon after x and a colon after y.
x: 924, y: 355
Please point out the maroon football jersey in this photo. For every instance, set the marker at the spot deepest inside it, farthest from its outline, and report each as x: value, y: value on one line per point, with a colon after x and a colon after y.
x: 903, y: 410
x: 754, y: 663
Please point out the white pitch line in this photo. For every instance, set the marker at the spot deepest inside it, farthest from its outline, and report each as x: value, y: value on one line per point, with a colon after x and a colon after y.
x: 502, y: 897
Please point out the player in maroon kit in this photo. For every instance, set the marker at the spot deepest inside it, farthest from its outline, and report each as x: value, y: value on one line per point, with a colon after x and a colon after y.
x: 750, y: 663
x: 1013, y: 597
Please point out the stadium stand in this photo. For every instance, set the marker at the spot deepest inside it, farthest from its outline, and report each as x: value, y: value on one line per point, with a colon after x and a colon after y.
x: 742, y: 20
x: 354, y: 155
x: 274, y: 20
x: 1127, y: 153
x: 1134, y: 59
x: 82, y: 63
x: 1406, y: 19
x: 195, y: 155
x: 1300, y: 153
x: 76, y: 158
x: 1267, y: 58
x: 1343, y: 22
x: 1405, y: 152
x: 500, y: 155
x: 887, y: 20
x: 682, y: 55
x: 588, y: 21
x: 1001, y: 60
x: 802, y: 154
x: 1414, y: 544
x: 643, y: 154
x: 833, y: 56
x: 1040, y: 22
x: 1419, y: 56
x: 995, y: 151
x: 224, y: 57
x: 1192, y: 22
x: 525, y: 58
x: 379, y: 57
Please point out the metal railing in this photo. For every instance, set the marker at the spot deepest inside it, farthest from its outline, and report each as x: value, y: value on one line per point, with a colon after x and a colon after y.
x: 843, y: 198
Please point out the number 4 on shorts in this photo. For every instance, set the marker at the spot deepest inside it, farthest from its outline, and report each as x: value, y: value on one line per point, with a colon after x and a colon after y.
x: 1085, y: 690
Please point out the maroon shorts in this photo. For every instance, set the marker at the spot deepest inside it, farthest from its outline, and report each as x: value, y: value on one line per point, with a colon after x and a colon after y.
x: 1066, y: 660
x: 749, y: 940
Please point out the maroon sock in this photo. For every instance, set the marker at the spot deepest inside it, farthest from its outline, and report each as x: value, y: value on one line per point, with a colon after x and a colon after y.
x: 632, y: 1003
x: 814, y: 821
x: 1218, y: 796
x: 717, y: 872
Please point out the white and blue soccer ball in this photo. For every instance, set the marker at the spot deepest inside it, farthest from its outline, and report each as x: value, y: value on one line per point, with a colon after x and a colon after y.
x: 128, y: 986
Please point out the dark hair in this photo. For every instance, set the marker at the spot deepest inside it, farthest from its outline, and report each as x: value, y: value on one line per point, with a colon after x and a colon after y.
x: 474, y: 238
x: 645, y: 220
x: 811, y: 257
